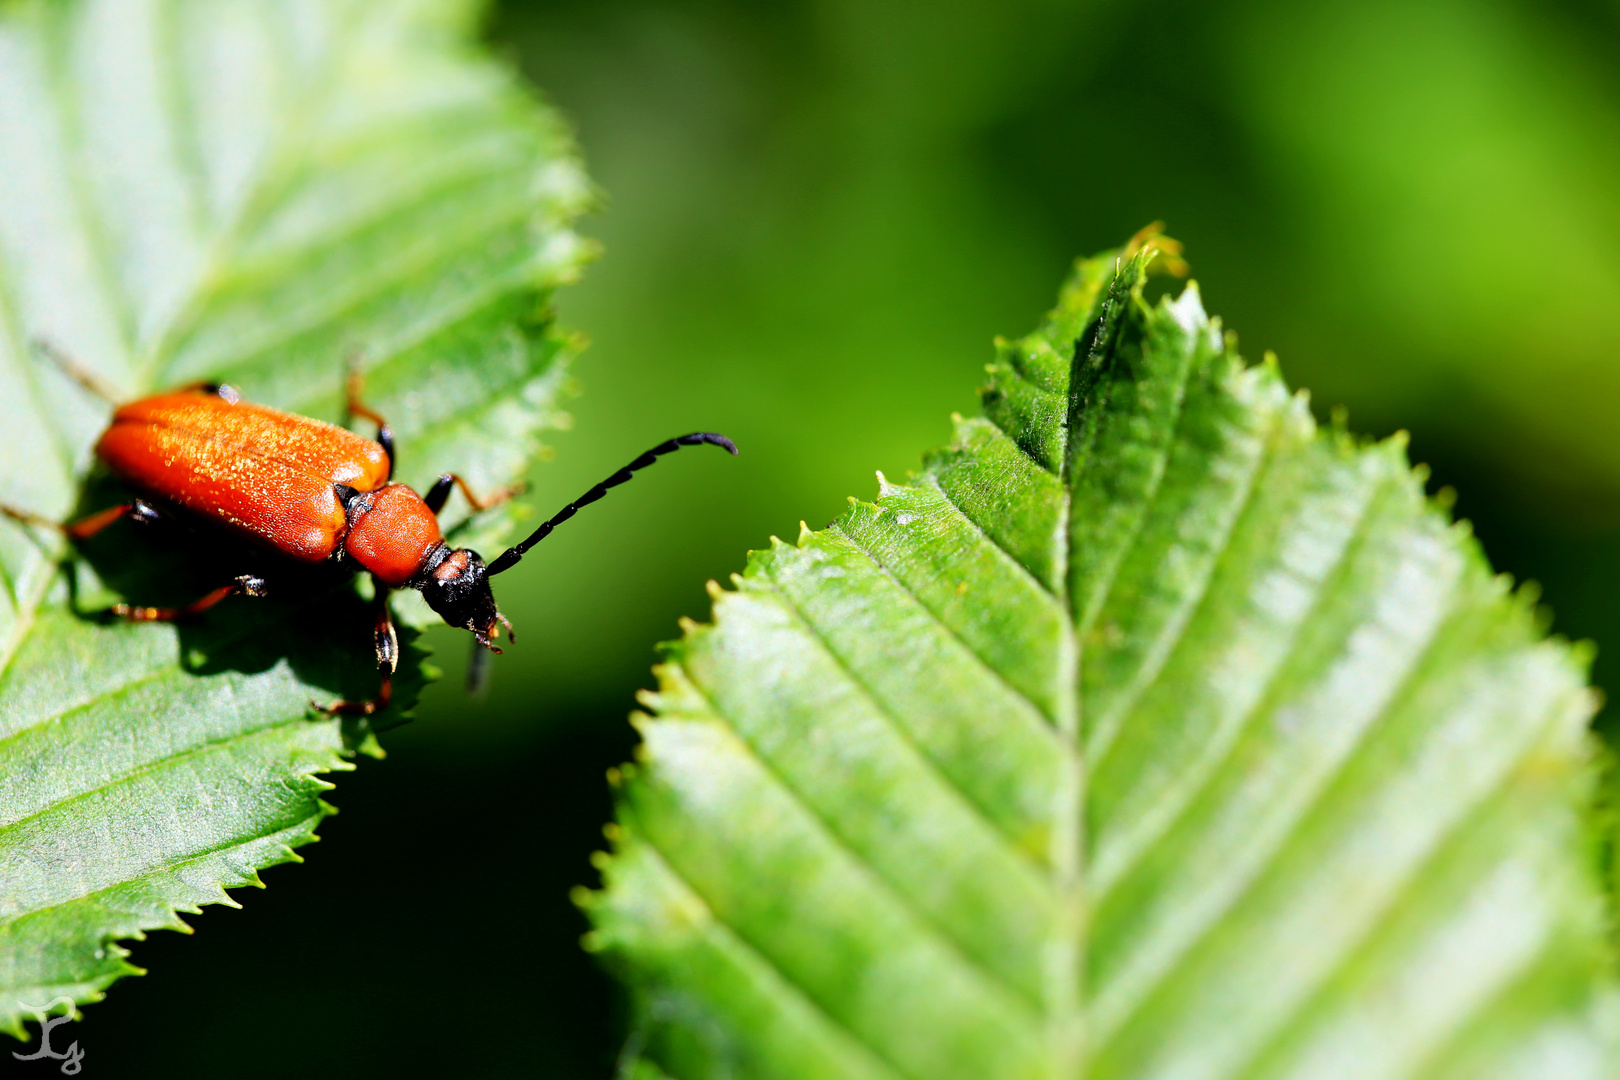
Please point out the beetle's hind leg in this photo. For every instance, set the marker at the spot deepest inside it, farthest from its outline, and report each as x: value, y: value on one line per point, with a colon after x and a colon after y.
x: 385, y: 641
x: 140, y: 510
x: 244, y: 585
x: 89, y: 525
x: 355, y: 407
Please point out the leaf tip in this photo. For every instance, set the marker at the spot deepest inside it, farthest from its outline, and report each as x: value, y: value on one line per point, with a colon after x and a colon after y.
x: 1151, y: 243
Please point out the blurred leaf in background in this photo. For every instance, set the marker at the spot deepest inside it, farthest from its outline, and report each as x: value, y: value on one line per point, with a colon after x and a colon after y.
x: 817, y: 216
x: 818, y: 213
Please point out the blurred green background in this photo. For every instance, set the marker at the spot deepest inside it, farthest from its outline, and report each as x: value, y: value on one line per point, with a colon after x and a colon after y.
x: 817, y: 215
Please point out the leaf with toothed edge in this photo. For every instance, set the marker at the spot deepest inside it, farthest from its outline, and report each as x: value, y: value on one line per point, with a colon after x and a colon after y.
x: 1150, y: 731
x: 263, y: 195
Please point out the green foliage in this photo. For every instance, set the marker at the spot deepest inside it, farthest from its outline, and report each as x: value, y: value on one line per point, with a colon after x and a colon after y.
x: 260, y: 194
x: 1149, y: 731
x: 1362, y: 180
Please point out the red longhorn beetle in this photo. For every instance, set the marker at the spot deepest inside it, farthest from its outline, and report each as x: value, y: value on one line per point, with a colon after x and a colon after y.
x: 314, y: 493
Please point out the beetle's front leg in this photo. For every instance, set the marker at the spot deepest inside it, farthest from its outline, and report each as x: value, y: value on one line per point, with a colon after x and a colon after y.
x: 439, y: 493
x: 385, y: 641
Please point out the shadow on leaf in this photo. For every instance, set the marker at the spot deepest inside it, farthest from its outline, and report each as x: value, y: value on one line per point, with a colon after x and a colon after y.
x: 314, y: 617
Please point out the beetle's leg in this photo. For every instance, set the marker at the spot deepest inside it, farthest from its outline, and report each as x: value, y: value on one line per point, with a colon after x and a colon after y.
x: 86, y: 527
x: 386, y: 642
x: 439, y: 494
x: 355, y: 407
x: 244, y: 585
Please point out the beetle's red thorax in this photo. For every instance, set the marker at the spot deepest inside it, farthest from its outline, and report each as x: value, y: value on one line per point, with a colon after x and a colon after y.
x: 391, y: 533
x: 264, y: 473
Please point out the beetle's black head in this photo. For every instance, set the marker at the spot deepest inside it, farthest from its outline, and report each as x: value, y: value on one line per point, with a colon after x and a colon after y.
x: 456, y: 585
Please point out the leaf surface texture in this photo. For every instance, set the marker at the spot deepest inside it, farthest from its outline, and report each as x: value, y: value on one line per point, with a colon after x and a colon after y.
x: 261, y: 194
x: 1150, y: 731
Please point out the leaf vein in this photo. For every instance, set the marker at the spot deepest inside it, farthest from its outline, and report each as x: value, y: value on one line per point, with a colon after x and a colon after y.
x: 988, y: 667
x: 894, y: 723
x: 189, y: 754
x: 1377, y: 925
x: 109, y: 693
x: 473, y: 299
x: 1201, y: 779
x: 933, y: 482
x: 171, y: 864
x: 935, y: 932
x: 1105, y: 734
x: 1323, y: 784
x: 879, y: 1058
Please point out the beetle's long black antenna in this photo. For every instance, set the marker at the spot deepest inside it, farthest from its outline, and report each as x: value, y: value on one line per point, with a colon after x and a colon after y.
x: 510, y: 557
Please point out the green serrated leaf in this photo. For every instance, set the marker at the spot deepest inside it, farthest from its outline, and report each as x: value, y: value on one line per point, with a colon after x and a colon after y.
x: 261, y: 194
x: 1151, y: 731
